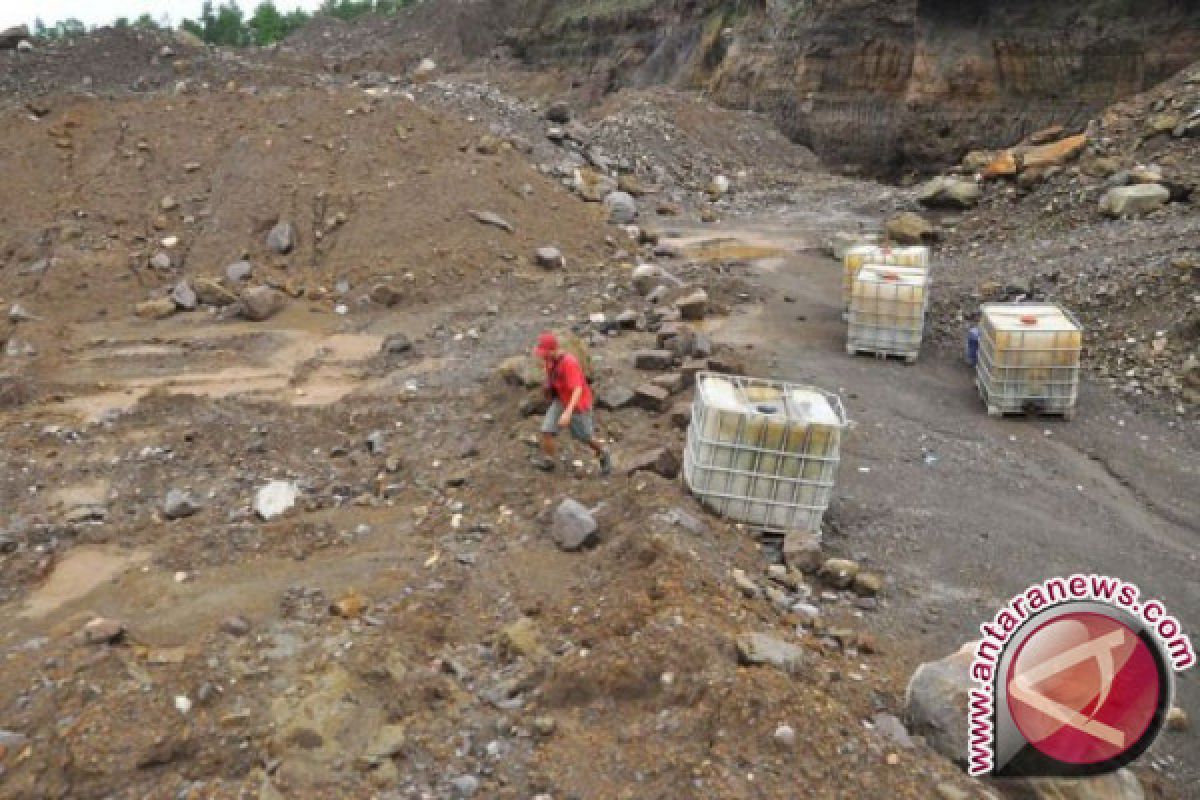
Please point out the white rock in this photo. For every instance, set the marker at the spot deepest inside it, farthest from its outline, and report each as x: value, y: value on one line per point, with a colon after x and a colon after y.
x: 718, y: 186
x: 785, y: 736
x: 276, y: 498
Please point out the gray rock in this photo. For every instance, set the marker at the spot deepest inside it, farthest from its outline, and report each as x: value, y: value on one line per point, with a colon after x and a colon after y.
x: 689, y: 522
x: 622, y: 208
x: 1132, y: 201
x: 681, y: 415
x: 892, y: 729
x: 184, y: 296
x: 12, y: 741
x: 239, y: 271
x: 627, y: 320
x: 657, y: 295
x: 558, y: 113
x: 1188, y: 128
x: 282, y: 238
x: 102, y: 630
x: 653, y: 359
x: 494, y: 220
x: 261, y: 303
x: 236, y: 625
x: 161, y: 262
x: 936, y: 702
x: 802, y: 551
x: 661, y: 461
x: 179, y: 504
x: 693, y: 305
x: 645, y: 277
x: 465, y: 785
x: 952, y: 193
x: 395, y: 344
x: 376, y: 443
x: 651, y: 398
x: 667, y: 250
x: 615, y: 398
x: 385, y: 295
x: 573, y: 527
x: 549, y: 258
x: 759, y: 649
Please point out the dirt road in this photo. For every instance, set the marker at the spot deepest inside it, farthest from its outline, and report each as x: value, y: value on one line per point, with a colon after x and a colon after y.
x: 961, y: 509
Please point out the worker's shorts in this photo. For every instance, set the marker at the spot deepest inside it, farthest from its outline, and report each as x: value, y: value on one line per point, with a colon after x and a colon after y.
x: 583, y: 424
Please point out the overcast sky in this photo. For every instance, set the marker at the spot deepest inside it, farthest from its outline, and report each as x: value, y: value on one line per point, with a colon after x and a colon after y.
x: 103, y: 12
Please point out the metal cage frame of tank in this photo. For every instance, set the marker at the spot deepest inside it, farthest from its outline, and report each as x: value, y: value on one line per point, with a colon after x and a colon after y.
x: 1004, y: 389
x: 886, y: 260
x: 894, y: 339
x: 773, y: 499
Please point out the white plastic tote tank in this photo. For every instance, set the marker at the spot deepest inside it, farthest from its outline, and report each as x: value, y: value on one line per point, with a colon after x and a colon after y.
x: 1029, y: 357
x: 763, y: 453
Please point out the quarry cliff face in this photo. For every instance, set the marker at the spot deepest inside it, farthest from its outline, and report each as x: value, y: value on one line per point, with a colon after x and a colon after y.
x: 888, y: 84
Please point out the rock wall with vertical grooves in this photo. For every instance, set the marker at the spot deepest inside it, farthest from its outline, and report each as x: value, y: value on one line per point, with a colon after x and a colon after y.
x: 888, y: 84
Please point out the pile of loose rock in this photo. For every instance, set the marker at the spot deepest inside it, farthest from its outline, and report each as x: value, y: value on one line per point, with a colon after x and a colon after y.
x: 1102, y: 220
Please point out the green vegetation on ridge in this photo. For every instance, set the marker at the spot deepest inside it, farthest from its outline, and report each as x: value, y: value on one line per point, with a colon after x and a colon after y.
x: 228, y: 25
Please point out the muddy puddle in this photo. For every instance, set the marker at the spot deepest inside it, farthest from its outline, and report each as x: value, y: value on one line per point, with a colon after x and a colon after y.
x: 77, y: 574
x: 264, y: 364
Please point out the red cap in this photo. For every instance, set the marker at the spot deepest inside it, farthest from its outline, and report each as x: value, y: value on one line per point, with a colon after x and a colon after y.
x: 547, y: 343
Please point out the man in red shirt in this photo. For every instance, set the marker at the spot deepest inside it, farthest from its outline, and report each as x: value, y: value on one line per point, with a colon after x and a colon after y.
x: 572, y: 404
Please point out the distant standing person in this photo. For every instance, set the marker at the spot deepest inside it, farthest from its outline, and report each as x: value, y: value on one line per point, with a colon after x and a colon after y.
x: 571, y: 406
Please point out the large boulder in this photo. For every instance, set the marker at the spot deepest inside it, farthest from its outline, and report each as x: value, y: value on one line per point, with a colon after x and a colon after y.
x: 947, y: 192
x: 1133, y: 201
x: 936, y: 702
x: 910, y: 228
